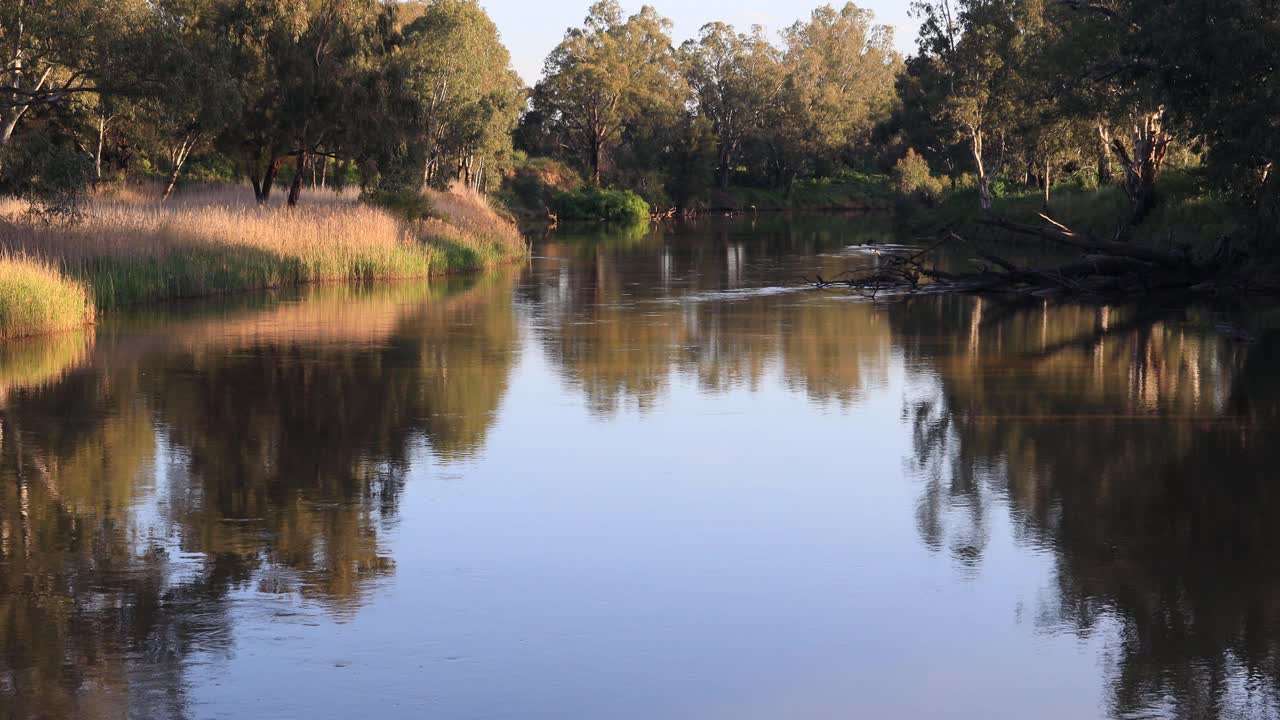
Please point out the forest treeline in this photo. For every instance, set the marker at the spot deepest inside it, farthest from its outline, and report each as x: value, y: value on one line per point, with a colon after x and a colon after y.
x: 999, y: 96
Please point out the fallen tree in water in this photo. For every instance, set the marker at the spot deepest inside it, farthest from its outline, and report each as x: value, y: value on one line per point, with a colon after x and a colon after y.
x: 1102, y: 268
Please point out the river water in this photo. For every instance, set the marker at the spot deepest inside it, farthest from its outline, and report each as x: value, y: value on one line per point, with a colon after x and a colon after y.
x: 643, y: 477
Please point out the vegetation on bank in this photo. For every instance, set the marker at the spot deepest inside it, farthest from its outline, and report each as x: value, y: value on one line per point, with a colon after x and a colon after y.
x: 129, y: 248
x: 36, y: 298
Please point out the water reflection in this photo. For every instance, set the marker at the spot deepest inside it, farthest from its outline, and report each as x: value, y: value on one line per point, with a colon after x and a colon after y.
x: 254, y: 450
x: 620, y: 320
x: 189, y: 469
x: 1133, y: 446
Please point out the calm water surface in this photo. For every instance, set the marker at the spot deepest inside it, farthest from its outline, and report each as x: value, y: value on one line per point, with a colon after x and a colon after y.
x: 642, y: 478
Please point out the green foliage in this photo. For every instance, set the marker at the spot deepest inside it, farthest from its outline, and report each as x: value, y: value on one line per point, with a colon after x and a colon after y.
x: 530, y: 188
x: 912, y: 177
x: 462, y: 97
x: 49, y: 174
x: 605, y: 75
x: 406, y: 204
x: 597, y: 204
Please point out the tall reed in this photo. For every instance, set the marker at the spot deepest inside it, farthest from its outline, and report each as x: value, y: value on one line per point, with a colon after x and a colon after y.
x: 130, y: 248
x: 36, y: 298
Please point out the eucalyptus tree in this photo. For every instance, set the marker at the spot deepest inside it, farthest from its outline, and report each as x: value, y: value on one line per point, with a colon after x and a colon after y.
x: 194, y: 95
x: 970, y: 50
x: 53, y: 50
x: 841, y: 66
x: 465, y: 96
x: 735, y: 79
x: 302, y: 65
x: 1203, y: 72
x: 605, y: 74
x: 1103, y: 68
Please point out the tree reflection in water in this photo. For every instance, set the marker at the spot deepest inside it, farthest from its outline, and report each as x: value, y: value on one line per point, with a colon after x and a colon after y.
x: 283, y: 438
x: 1133, y: 446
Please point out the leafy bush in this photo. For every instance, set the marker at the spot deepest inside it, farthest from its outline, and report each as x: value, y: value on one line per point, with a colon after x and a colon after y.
x: 912, y: 177
x: 404, y: 203
x: 590, y: 203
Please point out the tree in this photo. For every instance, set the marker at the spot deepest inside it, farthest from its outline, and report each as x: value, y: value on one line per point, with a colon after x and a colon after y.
x: 52, y: 50
x: 840, y: 67
x: 195, y: 95
x: 606, y: 74
x: 302, y: 67
x: 1113, y: 84
x: 735, y: 78
x: 465, y: 97
x: 970, y: 49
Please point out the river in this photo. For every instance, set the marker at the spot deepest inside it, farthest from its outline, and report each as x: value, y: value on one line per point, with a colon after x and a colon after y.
x: 647, y: 476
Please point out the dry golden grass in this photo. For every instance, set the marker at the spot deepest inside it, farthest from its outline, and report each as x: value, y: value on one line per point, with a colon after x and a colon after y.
x: 132, y: 248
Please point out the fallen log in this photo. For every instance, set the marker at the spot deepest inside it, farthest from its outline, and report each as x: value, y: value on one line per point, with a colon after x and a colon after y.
x: 1106, y: 268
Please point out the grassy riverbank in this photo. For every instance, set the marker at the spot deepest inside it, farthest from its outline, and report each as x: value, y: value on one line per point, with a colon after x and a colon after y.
x: 130, y: 249
x: 1186, y: 215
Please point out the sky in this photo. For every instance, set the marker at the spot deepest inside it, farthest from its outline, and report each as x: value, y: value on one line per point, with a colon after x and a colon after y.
x: 531, y: 28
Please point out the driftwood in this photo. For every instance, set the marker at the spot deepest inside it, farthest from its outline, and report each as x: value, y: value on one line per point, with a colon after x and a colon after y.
x: 1103, y: 268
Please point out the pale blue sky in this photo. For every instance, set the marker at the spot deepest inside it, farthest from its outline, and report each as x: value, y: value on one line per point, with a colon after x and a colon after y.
x: 531, y: 28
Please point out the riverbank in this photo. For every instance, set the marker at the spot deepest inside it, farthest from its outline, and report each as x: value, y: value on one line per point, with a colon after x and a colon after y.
x: 130, y: 249
x: 1185, y: 216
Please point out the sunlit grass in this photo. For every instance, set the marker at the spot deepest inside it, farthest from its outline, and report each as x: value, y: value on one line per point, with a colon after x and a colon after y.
x: 130, y: 248
x: 36, y: 298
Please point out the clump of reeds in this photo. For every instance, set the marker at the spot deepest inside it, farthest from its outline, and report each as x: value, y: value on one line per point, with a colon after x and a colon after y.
x: 131, y: 248
x: 36, y: 298
x: 469, y: 230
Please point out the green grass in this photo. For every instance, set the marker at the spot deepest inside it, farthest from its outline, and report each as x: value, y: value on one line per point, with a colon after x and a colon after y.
x: 37, y: 299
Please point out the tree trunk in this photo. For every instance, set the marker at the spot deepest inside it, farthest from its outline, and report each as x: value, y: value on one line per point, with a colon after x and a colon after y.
x: 10, y: 122
x: 1048, y: 182
x: 725, y: 171
x: 595, y: 161
x: 177, y: 159
x: 262, y: 189
x: 295, y: 188
x: 1105, y: 174
x: 97, y: 156
x: 324, y: 172
x: 1150, y: 142
x: 173, y: 182
x: 984, y: 187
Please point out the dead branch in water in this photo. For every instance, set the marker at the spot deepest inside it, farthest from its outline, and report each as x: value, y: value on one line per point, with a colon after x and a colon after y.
x: 1104, y: 268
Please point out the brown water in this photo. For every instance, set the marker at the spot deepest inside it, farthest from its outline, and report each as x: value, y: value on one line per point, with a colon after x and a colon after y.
x: 643, y: 478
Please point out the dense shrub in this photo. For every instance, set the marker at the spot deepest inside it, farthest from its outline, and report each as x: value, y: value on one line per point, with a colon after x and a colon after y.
x: 912, y: 177
x: 590, y: 203
x: 408, y: 204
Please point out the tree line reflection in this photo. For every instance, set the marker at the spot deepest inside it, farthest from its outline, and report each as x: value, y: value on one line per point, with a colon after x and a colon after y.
x: 1133, y: 446
x: 150, y: 475
x: 285, y: 436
